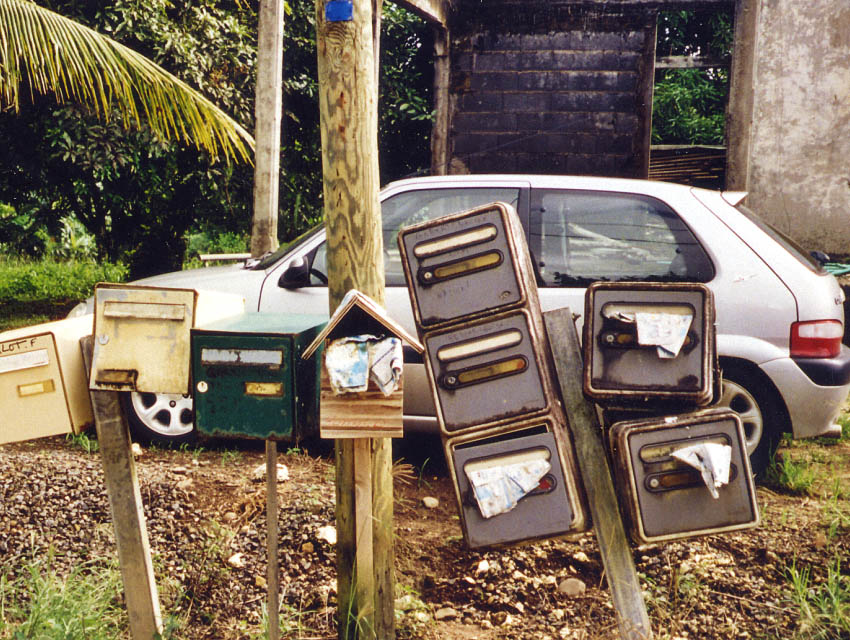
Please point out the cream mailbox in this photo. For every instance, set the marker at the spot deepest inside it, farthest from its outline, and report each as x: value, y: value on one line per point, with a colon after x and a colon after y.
x: 649, y: 341
x: 43, y: 381
x: 684, y: 475
x: 141, y: 335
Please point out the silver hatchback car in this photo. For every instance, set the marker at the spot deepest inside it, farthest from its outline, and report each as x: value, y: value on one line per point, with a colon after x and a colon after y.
x: 780, y: 317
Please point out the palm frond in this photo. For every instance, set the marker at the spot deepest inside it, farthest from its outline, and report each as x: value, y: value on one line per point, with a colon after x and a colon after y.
x: 49, y: 53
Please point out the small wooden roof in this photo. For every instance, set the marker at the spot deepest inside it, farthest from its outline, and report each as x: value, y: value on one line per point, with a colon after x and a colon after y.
x: 358, y: 314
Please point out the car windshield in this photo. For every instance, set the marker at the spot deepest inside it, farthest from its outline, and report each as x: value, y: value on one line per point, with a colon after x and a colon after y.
x: 271, y: 258
x: 787, y: 243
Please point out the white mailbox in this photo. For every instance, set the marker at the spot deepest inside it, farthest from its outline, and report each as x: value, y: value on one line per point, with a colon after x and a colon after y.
x: 43, y: 383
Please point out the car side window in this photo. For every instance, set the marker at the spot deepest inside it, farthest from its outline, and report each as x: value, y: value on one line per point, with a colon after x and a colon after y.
x: 410, y: 207
x: 579, y: 237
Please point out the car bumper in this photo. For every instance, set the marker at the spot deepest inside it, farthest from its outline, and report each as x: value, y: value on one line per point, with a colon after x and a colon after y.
x: 814, y: 390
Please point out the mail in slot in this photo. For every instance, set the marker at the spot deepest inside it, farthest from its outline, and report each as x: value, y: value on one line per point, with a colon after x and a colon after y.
x: 666, y: 327
x: 498, y: 483
x: 271, y: 358
x: 24, y: 360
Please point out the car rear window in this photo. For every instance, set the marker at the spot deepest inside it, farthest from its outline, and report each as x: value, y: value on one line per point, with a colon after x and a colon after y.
x: 787, y: 243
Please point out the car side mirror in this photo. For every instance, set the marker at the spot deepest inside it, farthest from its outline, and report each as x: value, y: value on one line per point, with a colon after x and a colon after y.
x: 296, y: 275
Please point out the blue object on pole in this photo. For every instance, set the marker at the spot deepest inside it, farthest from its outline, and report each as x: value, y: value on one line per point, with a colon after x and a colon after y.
x: 339, y: 10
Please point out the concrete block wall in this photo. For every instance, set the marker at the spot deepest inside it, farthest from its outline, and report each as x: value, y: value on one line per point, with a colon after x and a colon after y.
x: 551, y: 94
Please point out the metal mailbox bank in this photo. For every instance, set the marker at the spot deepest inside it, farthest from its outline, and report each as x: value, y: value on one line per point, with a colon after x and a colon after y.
x: 43, y: 384
x: 649, y: 341
x: 250, y: 380
x: 684, y: 476
x: 141, y: 335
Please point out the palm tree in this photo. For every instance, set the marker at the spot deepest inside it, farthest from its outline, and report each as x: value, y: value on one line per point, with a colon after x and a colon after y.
x: 46, y: 52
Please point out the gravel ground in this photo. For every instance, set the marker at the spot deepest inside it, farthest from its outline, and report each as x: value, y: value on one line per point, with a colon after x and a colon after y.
x: 206, y: 523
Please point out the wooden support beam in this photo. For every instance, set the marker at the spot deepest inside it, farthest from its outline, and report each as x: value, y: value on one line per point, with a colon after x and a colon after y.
x: 440, y: 128
x: 739, y: 109
x: 272, y: 560
x: 595, y: 470
x: 690, y: 62
x: 348, y: 100
x: 433, y: 11
x: 646, y: 75
x: 268, y: 111
x: 126, y: 509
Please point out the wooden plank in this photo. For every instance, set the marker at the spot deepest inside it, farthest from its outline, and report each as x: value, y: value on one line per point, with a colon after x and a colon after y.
x: 272, y: 560
x: 433, y: 11
x: 364, y: 577
x: 440, y: 128
x: 690, y: 62
x: 368, y: 414
x: 598, y: 483
x: 125, y: 506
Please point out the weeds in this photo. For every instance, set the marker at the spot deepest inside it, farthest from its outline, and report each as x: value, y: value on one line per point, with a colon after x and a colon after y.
x: 824, y: 606
x: 231, y: 456
x: 85, y: 605
x: 82, y: 440
x: 790, y: 476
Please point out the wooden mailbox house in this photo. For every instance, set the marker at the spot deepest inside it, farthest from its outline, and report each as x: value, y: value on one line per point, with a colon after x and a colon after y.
x: 369, y: 413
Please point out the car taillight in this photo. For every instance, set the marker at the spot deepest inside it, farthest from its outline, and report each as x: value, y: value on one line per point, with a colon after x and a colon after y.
x: 816, y: 338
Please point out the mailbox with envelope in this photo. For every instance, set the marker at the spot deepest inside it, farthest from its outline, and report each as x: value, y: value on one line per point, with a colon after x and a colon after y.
x: 649, y: 341
x: 466, y: 264
x: 141, y: 335
x: 685, y: 475
x: 516, y: 486
x: 487, y: 372
x: 250, y: 380
x: 43, y: 380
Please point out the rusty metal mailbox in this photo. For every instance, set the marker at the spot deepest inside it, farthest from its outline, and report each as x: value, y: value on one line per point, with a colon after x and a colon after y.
x: 465, y: 264
x: 43, y: 384
x: 666, y: 468
x: 250, y: 380
x: 141, y: 335
x: 487, y: 372
x: 649, y: 341
x: 551, y: 508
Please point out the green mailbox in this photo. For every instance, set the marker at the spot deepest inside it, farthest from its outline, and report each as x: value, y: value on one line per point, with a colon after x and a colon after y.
x: 250, y: 380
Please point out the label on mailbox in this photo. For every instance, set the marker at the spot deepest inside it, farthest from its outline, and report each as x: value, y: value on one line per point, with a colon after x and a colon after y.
x: 465, y: 264
x: 485, y: 372
x: 24, y: 360
x: 669, y: 496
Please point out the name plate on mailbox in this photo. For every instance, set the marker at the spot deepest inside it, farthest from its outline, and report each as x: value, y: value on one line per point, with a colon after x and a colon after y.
x: 485, y: 372
x: 43, y: 381
x: 665, y: 496
x: 464, y: 264
x: 250, y: 380
x: 645, y: 340
x: 549, y: 509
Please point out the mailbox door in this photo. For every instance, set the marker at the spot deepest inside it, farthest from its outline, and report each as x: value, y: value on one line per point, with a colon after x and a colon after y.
x: 545, y: 512
x: 619, y: 368
x: 463, y: 264
x: 668, y: 498
x: 485, y: 372
x: 243, y: 385
x: 141, y: 339
x: 32, y: 389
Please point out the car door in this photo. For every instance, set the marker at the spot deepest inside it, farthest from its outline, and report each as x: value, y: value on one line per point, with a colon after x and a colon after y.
x: 577, y: 237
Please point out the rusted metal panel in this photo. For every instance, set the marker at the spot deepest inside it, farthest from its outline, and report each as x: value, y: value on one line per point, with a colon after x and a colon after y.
x: 666, y: 499
x: 43, y: 386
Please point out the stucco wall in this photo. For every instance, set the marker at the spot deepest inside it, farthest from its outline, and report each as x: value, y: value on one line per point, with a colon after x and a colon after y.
x: 800, y: 148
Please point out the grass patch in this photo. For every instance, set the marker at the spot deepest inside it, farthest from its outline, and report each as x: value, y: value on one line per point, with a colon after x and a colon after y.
x: 85, y: 605
x: 50, y: 281
x: 823, y: 604
x: 790, y: 476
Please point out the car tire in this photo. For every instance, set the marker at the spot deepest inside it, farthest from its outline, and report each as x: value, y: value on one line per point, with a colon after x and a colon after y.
x: 160, y: 418
x: 747, y: 392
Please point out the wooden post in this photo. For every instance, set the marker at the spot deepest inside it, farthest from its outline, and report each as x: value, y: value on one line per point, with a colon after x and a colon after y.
x: 348, y: 104
x: 125, y: 506
x: 268, y: 110
x: 272, y: 573
x: 440, y: 128
x: 596, y: 474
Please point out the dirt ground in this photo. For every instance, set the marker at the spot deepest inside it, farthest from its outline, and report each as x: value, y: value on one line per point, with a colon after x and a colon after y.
x: 206, y: 522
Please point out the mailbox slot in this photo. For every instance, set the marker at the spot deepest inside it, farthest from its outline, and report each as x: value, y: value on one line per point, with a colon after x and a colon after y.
x: 666, y: 499
x: 649, y: 341
x: 486, y: 372
x: 465, y: 265
x: 43, y: 383
x: 550, y: 509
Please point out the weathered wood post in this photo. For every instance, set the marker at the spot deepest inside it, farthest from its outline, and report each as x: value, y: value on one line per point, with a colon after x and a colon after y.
x: 348, y: 104
x: 268, y: 111
x: 598, y: 483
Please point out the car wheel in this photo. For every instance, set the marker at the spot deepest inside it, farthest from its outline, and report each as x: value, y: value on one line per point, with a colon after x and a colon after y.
x: 160, y: 418
x: 760, y: 412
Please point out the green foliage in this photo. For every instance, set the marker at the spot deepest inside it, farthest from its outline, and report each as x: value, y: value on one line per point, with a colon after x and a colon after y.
x: 48, y: 281
x: 85, y: 605
x: 790, y: 476
x: 82, y: 441
x: 823, y: 604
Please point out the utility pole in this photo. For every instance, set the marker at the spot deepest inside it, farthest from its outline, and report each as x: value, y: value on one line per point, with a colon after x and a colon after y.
x: 267, y: 110
x: 346, y: 33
